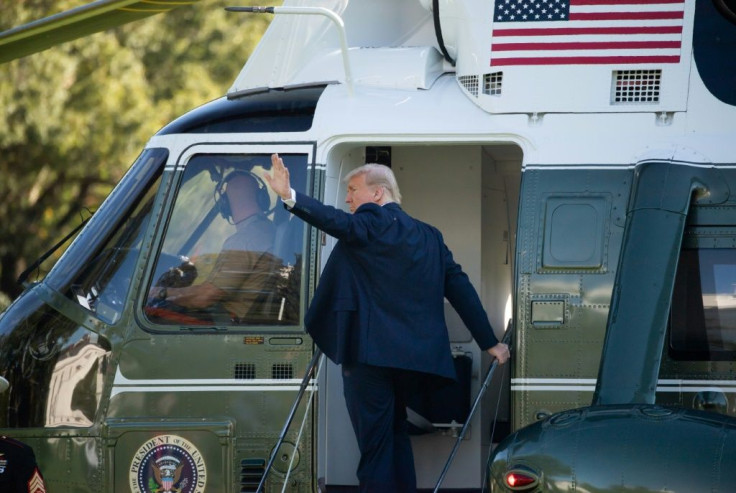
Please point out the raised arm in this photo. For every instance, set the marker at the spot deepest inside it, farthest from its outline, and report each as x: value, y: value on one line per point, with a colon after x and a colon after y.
x: 354, y: 228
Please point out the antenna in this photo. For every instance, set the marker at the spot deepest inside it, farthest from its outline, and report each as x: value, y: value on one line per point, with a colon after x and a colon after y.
x: 311, y: 11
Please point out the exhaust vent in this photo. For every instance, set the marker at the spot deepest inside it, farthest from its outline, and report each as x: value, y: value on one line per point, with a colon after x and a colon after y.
x: 282, y: 371
x: 470, y: 83
x: 492, y: 83
x: 245, y: 371
x: 635, y: 86
x: 251, y: 472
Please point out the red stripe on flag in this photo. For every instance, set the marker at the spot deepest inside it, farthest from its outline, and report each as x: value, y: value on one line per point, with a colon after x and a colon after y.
x: 624, y: 16
x: 582, y: 60
x: 624, y: 2
x: 574, y: 31
x: 602, y: 45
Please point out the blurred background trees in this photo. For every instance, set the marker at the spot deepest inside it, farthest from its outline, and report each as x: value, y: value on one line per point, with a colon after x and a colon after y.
x: 75, y: 117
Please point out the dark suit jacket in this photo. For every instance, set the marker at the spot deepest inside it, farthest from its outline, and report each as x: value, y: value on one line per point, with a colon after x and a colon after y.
x: 380, y: 298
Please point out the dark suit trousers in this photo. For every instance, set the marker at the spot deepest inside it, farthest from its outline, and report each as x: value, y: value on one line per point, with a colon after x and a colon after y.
x: 376, y: 401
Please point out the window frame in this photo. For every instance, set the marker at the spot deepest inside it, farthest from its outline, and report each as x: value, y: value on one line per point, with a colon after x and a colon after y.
x: 680, y: 303
x: 308, y: 261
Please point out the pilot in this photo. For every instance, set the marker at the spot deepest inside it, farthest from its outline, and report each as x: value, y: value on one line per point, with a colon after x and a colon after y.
x: 245, y: 267
x: 19, y: 472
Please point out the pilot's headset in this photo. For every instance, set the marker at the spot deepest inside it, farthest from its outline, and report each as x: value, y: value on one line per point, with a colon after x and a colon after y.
x: 263, y: 199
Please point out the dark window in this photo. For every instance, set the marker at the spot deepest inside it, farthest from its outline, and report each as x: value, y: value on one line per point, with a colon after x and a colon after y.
x: 703, y: 314
x: 273, y: 110
x: 231, y: 254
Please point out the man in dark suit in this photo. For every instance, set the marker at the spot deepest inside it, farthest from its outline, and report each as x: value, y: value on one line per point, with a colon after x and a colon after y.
x: 379, y: 311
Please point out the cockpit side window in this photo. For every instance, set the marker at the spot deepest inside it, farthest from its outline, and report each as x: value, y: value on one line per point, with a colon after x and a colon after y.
x: 97, y: 269
x: 231, y: 254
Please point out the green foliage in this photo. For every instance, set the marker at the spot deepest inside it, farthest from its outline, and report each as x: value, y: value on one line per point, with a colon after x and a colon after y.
x: 74, y: 117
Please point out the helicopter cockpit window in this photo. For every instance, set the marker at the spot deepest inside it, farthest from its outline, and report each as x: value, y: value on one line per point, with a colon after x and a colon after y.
x: 97, y: 269
x: 703, y: 314
x: 231, y: 255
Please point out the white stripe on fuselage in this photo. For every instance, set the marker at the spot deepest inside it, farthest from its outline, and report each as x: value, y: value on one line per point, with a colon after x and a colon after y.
x: 122, y: 384
x: 588, y: 385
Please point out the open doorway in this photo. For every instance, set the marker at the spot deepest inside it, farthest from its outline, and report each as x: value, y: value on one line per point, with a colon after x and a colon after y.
x: 471, y: 194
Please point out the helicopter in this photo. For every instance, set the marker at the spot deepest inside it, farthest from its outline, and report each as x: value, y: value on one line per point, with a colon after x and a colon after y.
x: 578, y: 157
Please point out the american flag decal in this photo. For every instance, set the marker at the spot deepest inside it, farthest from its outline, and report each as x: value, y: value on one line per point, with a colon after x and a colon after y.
x: 585, y: 32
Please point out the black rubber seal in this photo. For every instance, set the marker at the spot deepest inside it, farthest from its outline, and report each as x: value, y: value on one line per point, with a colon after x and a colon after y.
x: 438, y: 31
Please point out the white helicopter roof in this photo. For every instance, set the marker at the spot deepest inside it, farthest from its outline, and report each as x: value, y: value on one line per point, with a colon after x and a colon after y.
x: 390, y: 45
x: 496, y: 52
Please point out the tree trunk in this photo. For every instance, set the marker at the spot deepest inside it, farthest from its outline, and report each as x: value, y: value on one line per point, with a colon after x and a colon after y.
x: 9, y: 276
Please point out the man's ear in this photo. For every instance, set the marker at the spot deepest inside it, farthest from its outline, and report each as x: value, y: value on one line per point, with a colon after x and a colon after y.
x: 378, y: 195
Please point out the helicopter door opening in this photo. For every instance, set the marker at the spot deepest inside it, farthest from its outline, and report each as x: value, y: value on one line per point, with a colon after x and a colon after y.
x: 471, y: 193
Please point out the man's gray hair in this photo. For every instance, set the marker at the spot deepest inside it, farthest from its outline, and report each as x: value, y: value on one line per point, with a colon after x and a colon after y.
x: 378, y: 175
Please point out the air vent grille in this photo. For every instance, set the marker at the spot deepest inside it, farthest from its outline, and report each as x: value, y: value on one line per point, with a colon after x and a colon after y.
x: 282, y: 371
x: 251, y: 472
x: 470, y: 83
x: 245, y: 371
x: 636, y: 86
x: 492, y: 83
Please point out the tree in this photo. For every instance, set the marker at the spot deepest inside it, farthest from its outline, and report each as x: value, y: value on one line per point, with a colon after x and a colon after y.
x: 76, y: 116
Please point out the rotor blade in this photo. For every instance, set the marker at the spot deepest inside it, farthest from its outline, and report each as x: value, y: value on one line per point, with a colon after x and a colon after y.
x: 78, y: 22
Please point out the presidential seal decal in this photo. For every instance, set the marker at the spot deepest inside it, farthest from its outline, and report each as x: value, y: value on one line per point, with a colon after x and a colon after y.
x: 167, y: 464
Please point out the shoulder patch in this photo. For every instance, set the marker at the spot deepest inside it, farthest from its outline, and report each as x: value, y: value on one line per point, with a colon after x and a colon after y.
x: 36, y: 484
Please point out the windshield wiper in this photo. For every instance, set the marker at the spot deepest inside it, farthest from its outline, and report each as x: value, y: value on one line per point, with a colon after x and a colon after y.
x: 35, y: 265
